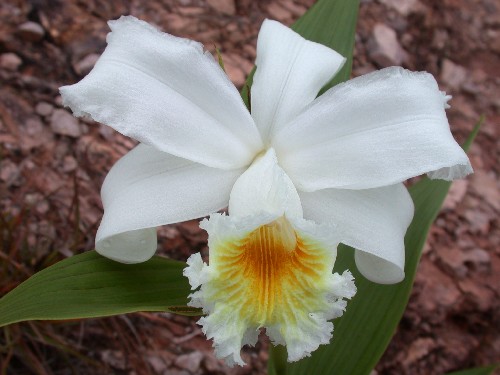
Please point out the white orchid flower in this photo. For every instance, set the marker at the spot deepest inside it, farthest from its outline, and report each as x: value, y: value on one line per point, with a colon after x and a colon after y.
x: 300, y: 174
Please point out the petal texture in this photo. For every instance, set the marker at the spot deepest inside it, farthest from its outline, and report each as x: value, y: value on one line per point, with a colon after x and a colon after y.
x: 270, y: 273
x: 375, y: 130
x: 166, y: 92
x: 290, y: 72
x: 148, y: 188
x: 373, y: 221
x: 264, y: 187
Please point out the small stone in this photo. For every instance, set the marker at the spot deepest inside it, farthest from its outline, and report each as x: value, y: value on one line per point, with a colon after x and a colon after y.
x: 456, y: 194
x: 279, y: 12
x: 440, y: 38
x: 173, y: 371
x: 452, y: 260
x: 212, y: 364
x: 58, y: 100
x: 439, y: 291
x: 384, y: 48
x: 9, y: 172
x: 403, y: 7
x: 453, y: 75
x: 479, y: 222
x: 479, y: 258
x: 480, y: 295
x: 190, y: 362
x: 227, y: 7
x: 297, y: 10
x: 157, y: 363
x: 31, y: 31
x: 42, y: 207
x: 85, y: 65
x: 44, y: 108
x: 180, y: 25
x: 114, y: 358
x: 487, y: 187
x: 418, y: 349
x: 191, y: 11
x: 63, y: 123
x: 33, y: 134
x: 69, y: 164
x: 494, y: 40
x: 10, y: 61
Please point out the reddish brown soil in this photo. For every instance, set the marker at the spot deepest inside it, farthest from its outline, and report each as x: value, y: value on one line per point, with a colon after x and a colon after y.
x: 51, y: 170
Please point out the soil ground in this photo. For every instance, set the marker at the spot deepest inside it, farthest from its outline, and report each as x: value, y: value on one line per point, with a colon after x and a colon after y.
x: 52, y: 167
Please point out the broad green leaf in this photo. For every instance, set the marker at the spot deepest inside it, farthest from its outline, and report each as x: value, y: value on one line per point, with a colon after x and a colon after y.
x: 363, y: 333
x: 89, y: 285
x: 476, y: 371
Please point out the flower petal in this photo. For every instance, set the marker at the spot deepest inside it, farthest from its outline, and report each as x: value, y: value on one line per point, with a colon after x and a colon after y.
x: 375, y: 130
x: 148, y: 188
x: 374, y: 221
x: 264, y: 187
x: 166, y: 92
x: 269, y: 272
x: 290, y: 72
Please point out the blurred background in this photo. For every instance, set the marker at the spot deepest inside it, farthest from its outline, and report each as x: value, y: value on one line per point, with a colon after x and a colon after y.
x: 52, y: 166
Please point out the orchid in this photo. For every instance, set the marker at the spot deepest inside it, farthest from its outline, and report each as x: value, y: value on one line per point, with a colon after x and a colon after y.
x: 300, y: 173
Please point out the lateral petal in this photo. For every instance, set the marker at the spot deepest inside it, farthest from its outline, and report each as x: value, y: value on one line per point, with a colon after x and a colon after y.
x: 290, y: 72
x: 373, y: 221
x: 375, y: 130
x: 166, y: 92
x: 148, y: 188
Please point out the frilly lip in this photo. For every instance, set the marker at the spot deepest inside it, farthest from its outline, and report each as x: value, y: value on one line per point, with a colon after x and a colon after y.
x: 268, y: 272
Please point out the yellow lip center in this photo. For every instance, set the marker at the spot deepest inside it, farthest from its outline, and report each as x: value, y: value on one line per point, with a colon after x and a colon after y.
x: 271, y: 275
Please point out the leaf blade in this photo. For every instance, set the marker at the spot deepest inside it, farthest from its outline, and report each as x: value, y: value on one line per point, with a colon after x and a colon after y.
x: 89, y: 285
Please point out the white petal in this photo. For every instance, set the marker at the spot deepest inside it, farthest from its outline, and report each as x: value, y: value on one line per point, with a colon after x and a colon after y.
x: 166, y: 92
x: 148, y: 188
x: 373, y: 131
x: 196, y: 270
x: 290, y: 72
x: 264, y: 187
x: 374, y: 221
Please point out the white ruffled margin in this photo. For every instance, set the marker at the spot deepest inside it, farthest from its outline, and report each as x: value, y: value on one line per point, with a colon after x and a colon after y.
x: 230, y: 334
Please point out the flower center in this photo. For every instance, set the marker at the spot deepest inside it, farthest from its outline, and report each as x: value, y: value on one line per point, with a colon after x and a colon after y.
x: 271, y: 274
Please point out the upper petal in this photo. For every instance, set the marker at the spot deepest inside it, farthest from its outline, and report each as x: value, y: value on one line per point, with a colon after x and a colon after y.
x: 148, y: 188
x: 290, y: 72
x: 166, y: 92
x: 375, y: 130
x: 373, y: 221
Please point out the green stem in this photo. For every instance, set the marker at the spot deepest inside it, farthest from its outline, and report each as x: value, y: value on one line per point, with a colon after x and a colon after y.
x: 277, y: 360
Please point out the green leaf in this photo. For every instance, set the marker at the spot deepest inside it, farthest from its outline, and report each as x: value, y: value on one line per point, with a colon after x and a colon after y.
x: 89, y: 285
x: 371, y: 318
x: 277, y: 364
x: 476, y: 371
